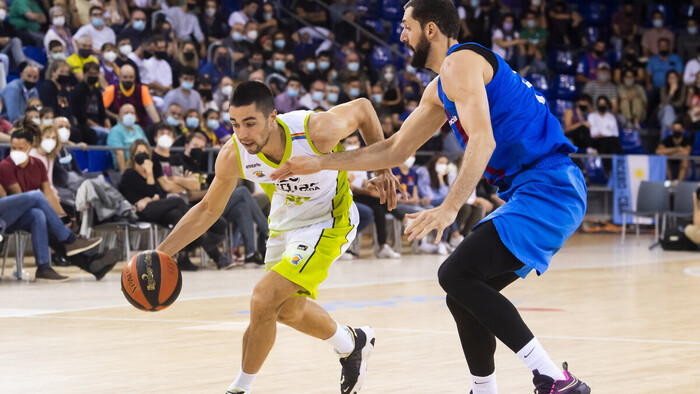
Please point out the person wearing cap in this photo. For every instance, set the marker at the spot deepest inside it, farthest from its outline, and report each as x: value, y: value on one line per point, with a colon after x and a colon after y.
x: 602, y: 86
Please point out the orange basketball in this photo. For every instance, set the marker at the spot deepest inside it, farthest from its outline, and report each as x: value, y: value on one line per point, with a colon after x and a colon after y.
x: 151, y: 281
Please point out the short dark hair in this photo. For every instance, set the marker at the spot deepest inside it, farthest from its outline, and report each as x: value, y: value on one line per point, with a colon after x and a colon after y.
x: 23, y: 134
x: 668, y: 42
x: 604, y: 98
x: 91, y: 66
x: 208, y: 112
x: 54, y: 43
x: 253, y: 92
x: 584, y: 97
x: 441, y: 12
x: 677, y: 122
x: 45, y: 110
x: 192, y: 136
x: 165, y: 126
x: 93, y: 8
x: 188, y: 71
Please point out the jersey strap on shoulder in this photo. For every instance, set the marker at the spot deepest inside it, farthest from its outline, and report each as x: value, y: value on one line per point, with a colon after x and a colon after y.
x: 485, y: 53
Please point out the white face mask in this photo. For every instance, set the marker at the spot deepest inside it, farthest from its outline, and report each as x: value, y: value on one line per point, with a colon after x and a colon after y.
x: 125, y: 50
x: 64, y: 134
x: 351, y: 147
x: 48, y: 144
x: 227, y: 90
x: 441, y: 168
x: 165, y: 141
x: 110, y: 56
x: 59, y: 21
x: 37, y: 121
x: 47, y: 121
x: 409, y: 162
x: 18, y: 157
x: 253, y: 34
x: 210, y: 12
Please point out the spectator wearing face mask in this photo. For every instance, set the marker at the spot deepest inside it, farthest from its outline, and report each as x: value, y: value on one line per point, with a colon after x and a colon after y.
x: 673, y: 96
x: 97, y: 30
x: 18, y: 92
x: 225, y: 131
x: 88, y: 108
x: 661, y: 63
x: 676, y: 144
x: 353, y: 71
x: 240, y: 43
x: 651, y: 38
x: 185, y: 57
x: 223, y: 92
x: 194, y: 123
x: 109, y: 71
x: 77, y: 60
x: 56, y: 51
x: 242, y: 16
x: 392, y: 98
x: 256, y: 62
x: 55, y: 91
x: 505, y: 41
x: 625, y: 24
x: 267, y: 22
x: 602, y: 86
x: 633, y: 100
x: 185, y: 97
x: 123, y: 50
x: 219, y: 67
x: 170, y: 179
x: 33, y: 116
x: 316, y: 97
x: 308, y: 71
x: 193, y: 159
x: 534, y: 53
x: 136, y: 30
x: 410, y: 201
x: 630, y: 61
x: 212, y: 22
x: 352, y: 90
x: 564, y: 25
x: 604, y: 130
x: 587, y: 69
x: 46, y: 150
x: 134, y: 94
x: 332, y: 94
x: 184, y: 22
x: 689, y: 41
x: 288, y: 100
x: 123, y: 134
x: 58, y: 30
x: 576, y: 126
x: 377, y: 98
x: 158, y: 71
x: 211, y: 123
x: 205, y: 88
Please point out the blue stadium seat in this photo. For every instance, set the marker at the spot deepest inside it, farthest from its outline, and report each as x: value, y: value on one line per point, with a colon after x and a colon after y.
x: 376, y: 24
x: 564, y: 87
x: 391, y: 10
x: 564, y: 62
x: 99, y: 160
x: 592, y: 33
x: 367, y: 8
x: 395, y: 33
x: 380, y: 57
x: 80, y: 158
x: 558, y: 107
x: 36, y: 54
x: 631, y: 141
x: 539, y: 82
x: 592, y: 13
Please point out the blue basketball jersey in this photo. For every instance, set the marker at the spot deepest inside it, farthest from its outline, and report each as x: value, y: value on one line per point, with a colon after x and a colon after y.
x: 523, y: 126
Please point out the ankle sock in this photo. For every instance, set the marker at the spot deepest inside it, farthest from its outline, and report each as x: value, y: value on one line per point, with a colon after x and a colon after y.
x: 537, y: 359
x: 484, y: 384
x: 342, y: 340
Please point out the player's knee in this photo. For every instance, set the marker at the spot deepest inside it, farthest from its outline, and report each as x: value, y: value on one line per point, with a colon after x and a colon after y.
x: 447, y: 275
x: 290, y: 315
x: 262, y: 305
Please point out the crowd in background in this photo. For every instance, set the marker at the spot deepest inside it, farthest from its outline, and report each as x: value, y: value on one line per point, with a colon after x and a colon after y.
x: 146, y: 76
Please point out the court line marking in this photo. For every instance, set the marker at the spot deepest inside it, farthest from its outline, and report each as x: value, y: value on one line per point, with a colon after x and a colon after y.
x: 692, y: 271
x: 395, y: 329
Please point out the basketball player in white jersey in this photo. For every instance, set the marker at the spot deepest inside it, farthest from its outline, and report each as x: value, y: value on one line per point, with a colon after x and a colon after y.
x: 312, y: 222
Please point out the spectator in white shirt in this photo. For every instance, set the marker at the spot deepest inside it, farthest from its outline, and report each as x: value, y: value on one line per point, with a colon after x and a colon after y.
x: 316, y: 97
x: 506, y: 40
x: 604, y: 130
x: 159, y: 75
x: 97, y: 30
x: 691, y: 69
x: 248, y: 10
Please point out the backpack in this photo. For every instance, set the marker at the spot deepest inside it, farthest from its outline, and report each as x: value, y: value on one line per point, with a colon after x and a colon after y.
x: 674, y: 239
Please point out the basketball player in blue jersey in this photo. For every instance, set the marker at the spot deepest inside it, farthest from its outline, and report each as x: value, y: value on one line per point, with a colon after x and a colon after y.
x: 509, y: 135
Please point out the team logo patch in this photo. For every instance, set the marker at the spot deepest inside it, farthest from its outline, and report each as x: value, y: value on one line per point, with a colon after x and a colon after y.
x: 259, y: 174
x: 296, y: 259
x: 302, y: 247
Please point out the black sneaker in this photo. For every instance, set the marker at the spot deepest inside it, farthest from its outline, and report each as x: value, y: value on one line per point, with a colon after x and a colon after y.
x: 58, y: 260
x: 355, y: 363
x: 47, y: 274
x: 184, y: 263
x: 82, y: 244
x: 235, y: 390
x: 102, y: 263
x: 224, y: 263
x: 570, y: 385
x: 254, y: 261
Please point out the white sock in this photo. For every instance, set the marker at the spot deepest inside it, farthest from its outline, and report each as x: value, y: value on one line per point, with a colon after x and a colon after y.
x: 484, y: 384
x: 536, y: 358
x: 342, y: 340
x: 244, y: 381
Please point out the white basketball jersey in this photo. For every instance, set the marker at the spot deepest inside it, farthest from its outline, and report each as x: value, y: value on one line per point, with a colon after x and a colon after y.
x: 302, y: 200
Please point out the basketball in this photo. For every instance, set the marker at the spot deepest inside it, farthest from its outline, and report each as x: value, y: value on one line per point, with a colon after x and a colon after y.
x: 151, y: 281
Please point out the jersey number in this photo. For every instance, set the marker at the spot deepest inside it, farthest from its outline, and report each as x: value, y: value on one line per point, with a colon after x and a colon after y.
x: 296, y: 200
x: 527, y: 83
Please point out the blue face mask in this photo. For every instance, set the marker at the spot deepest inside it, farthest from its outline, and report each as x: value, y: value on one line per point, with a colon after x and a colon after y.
x: 226, y: 118
x: 192, y: 123
x: 172, y: 121
x: 377, y: 98
x: 531, y: 23
x: 280, y: 43
x: 187, y: 85
x: 410, y: 69
x: 324, y: 65
x: 332, y: 98
x: 354, y: 92
x: 97, y: 22
x: 140, y: 25
x: 237, y: 36
x: 213, y: 124
x: 354, y: 66
x: 692, y: 30
x: 128, y: 120
x: 291, y: 92
x: 279, y: 65
x: 658, y: 23
x: 310, y: 66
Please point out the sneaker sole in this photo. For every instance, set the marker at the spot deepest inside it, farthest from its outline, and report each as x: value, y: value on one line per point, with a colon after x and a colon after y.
x: 44, y: 280
x: 83, y: 249
x: 366, y: 353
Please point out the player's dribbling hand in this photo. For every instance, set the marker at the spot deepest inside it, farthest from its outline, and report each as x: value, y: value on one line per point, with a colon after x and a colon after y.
x: 431, y: 219
x: 385, y: 183
x: 300, y: 165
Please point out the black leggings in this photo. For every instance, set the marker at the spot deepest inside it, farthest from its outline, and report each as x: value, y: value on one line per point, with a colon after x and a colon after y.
x: 380, y: 212
x: 473, y: 276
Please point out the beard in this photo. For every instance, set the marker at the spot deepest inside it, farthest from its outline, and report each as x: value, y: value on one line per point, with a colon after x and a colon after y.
x: 257, y: 147
x: 420, y: 53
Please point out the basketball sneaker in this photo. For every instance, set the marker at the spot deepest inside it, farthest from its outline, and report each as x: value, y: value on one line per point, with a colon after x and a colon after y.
x: 235, y: 390
x: 355, y: 364
x: 571, y: 385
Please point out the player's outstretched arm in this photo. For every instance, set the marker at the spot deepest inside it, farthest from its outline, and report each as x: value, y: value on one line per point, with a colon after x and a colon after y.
x: 464, y: 76
x: 200, y: 217
x: 328, y: 128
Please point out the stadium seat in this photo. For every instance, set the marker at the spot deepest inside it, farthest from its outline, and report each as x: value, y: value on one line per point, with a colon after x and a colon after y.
x: 36, y: 54
x: 592, y: 13
x: 558, y: 107
x: 380, y: 57
x: 81, y: 159
x: 592, y: 33
x: 391, y: 10
x: 99, y: 160
x: 376, y: 24
x: 564, y: 87
x: 395, y: 32
x: 564, y: 62
x: 367, y: 8
x: 631, y: 141
x: 539, y: 82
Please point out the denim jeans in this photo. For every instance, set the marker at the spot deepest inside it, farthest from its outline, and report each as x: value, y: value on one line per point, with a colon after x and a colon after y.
x: 243, y: 212
x: 31, y: 212
x: 366, y: 216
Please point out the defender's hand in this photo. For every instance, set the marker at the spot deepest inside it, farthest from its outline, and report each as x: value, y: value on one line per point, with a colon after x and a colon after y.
x: 385, y: 183
x: 300, y: 165
x: 426, y: 221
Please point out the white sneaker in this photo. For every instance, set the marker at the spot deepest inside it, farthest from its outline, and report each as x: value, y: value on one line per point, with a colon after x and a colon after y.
x: 346, y: 256
x: 235, y: 390
x: 387, y: 253
x: 427, y: 247
x: 442, y: 249
x: 455, y: 241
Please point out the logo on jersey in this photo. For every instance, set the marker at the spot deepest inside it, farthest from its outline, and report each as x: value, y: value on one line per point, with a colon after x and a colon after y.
x: 302, y: 248
x: 296, y: 259
x: 289, y: 186
x: 252, y: 165
x: 453, y: 120
x: 259, y: 174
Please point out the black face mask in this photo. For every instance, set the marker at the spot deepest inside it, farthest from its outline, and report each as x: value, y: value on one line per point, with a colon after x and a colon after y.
x: 196, y: 154
x: 189, y: 56
x: 255, y: 65
x: 664, y: 52
x: 127, y: 85
x: 677, y: 134
x: 160, y: 55
x: 602, y: 108
x: 63, y: 79
x: 147, y: 54
x: 583, y: 108
x: 206, y: 93
x: 29, y: 85
x: 599, y: 53
x: 91, y: 81
x: 630, y: 57
x: 140, y: 158
x: 84, y: 53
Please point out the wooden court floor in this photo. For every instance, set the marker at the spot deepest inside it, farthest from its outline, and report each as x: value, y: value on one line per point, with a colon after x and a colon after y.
x: 626, y: 319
